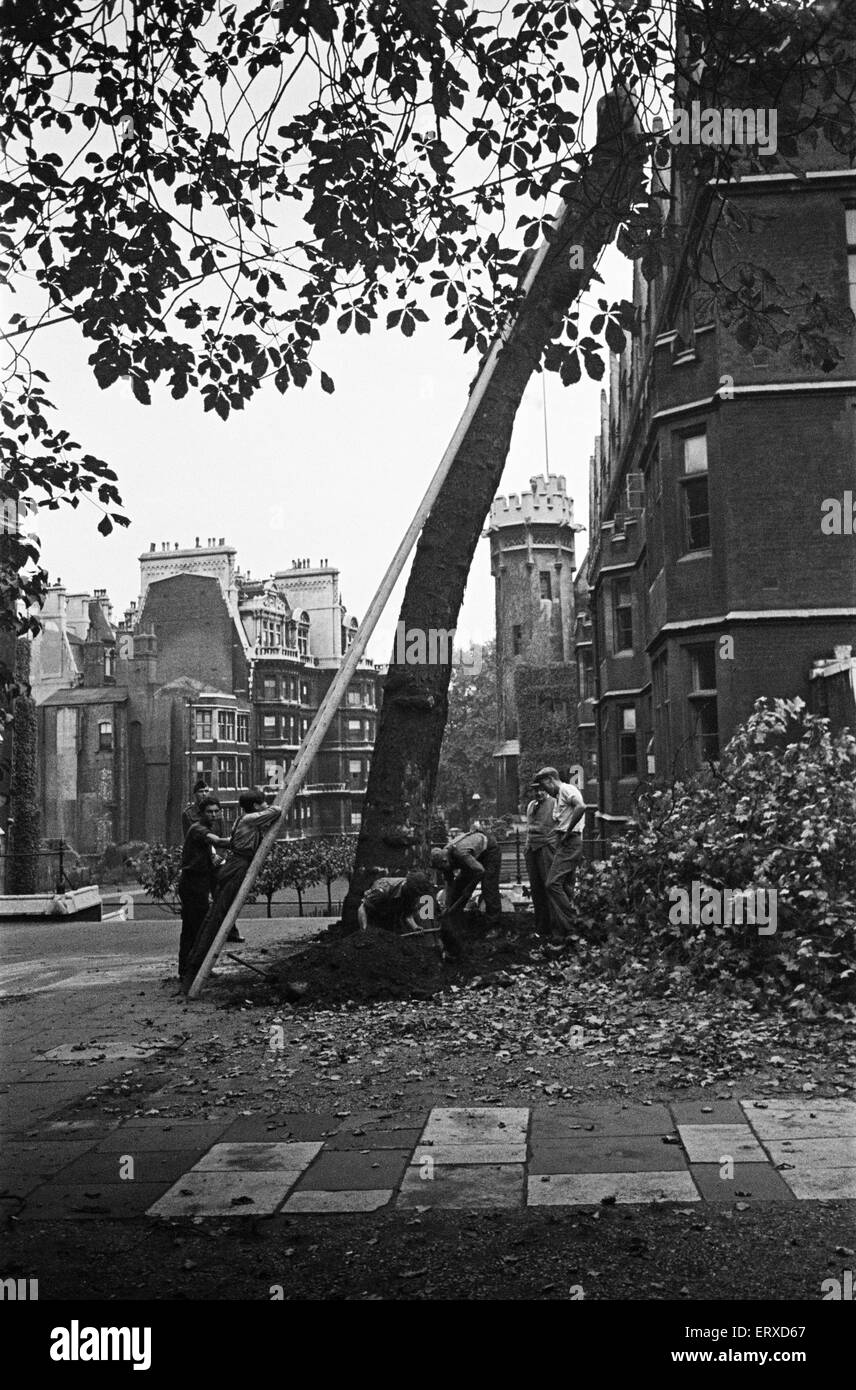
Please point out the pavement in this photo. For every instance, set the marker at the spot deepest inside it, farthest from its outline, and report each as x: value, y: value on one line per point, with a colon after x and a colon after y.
x: 463, y: 1158
x: 95, y: 1158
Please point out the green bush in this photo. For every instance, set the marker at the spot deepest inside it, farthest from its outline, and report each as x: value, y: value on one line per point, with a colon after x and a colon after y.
x: 157, y: 870
x: 779, y: 814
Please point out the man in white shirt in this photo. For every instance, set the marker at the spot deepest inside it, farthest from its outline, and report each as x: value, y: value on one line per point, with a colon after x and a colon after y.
x: 568, y: 814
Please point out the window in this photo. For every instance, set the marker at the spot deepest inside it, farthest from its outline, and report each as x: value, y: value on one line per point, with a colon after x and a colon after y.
x: 356, y: 820
x: 304, y: 693
x: 354, y: 697
x: 622, y: 615
x: 226, y: 726
x: 269, y: 688
x: 695, y: 453
x: 205, y: 770
x: 685, y: 323
x: 273, y: 774
x: 516, y: 639
x: 627, y: 741
x: 202, y: 724
x: 546, y: 584
x: 696, y: 504
x: 291, y: 735
x: 226, y: 772
x: 589, y: 754
x: 243, y: 772
x: 303, y: 640
x: 105, y: 736
x: 656, y: 474
x: 269, y: 726
x: 243, y: 728
x: 585, y: 673
x: 355, y: 726
x: 704, y: 667
x: 109, y: 663
x: 704, y: 721
x: 355, y: 773
x: 850, y: 223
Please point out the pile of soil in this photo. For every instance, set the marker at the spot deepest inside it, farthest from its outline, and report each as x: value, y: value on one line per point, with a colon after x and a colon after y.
x: 380, y: 965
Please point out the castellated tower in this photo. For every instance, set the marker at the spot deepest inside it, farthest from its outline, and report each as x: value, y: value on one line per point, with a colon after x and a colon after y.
x: 532, y: 562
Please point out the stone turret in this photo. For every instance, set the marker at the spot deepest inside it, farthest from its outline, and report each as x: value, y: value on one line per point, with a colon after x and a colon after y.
x: 532, y: 562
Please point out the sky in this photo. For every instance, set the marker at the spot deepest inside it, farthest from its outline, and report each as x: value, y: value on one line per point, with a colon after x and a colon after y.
x: 303, y: 474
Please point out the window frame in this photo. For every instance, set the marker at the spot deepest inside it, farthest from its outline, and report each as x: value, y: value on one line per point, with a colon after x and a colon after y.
x: 690, y: 479
x: 619, y: 585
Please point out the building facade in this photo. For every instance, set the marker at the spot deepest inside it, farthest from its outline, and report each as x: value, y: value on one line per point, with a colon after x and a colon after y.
x: 210, y: 674
x: 712, y: 578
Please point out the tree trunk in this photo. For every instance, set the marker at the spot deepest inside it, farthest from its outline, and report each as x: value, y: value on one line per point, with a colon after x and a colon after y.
x: 299, y: 902
x: 24, y: 820
x: 397, y: 810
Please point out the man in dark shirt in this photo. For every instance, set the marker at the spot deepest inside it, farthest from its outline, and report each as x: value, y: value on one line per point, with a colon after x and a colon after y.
x: 542, y: 841
x: 250, y: 828
x: 196, y: 880
x: 470, y: 861
x: 190, y: 814
x: 189, y: 817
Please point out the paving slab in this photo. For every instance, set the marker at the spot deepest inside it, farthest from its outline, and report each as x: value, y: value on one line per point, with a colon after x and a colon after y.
x: 476, y: 1124
x: 373, y: 1140
x: 150, y: 1165
x: 24, y: 1102
x: 822, y: 1184
x: 470, y: 1187
x: 351, y: 1171
x: 817, y: 1119
x: 280, y: 1128
x: 58, y: 1201
x: 469, y: 1153
x: 610, y: 1119
x: 225, y: 1194
x: 752, y: 1182
x: 707, y: 1112
x: 814, y: 1153
x: 715, y: 1143
x: 590, y: 1189
x: 642, y: 1153
x: 258, y: 1158
x: 382, y: 1120
x: 162, y: 1134
x: 34, y: 1162
x: 330, y: 1202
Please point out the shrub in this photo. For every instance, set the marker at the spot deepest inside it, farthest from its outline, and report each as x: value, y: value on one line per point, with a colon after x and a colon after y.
x: 157, y: 870
x: 778, y: 814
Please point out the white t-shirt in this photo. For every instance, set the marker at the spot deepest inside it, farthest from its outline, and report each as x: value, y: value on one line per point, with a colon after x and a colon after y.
x: 568, y: 798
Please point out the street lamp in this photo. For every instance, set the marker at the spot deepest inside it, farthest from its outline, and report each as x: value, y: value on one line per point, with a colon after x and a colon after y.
x: 476, y: 807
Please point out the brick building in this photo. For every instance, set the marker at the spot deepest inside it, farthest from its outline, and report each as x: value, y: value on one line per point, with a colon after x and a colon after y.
x: 210, y: 674
x: 712, y: 580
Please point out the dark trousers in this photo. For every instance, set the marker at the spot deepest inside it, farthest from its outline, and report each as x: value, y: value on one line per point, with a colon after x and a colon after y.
x: 538, y: 864
x: 195, y: 896
x: 229, y: 879
x: 560, y: 884
x: 465, y: 882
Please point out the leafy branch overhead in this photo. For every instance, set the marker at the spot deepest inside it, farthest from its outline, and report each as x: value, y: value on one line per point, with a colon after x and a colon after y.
x: 206, y: 189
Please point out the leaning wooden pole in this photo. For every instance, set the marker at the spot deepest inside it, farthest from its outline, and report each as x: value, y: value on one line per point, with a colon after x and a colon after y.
x: 330, y: 704
x: 327, y: 710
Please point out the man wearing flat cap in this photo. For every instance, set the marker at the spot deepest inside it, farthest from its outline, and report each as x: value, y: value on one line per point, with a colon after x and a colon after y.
x: 568, y: 815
